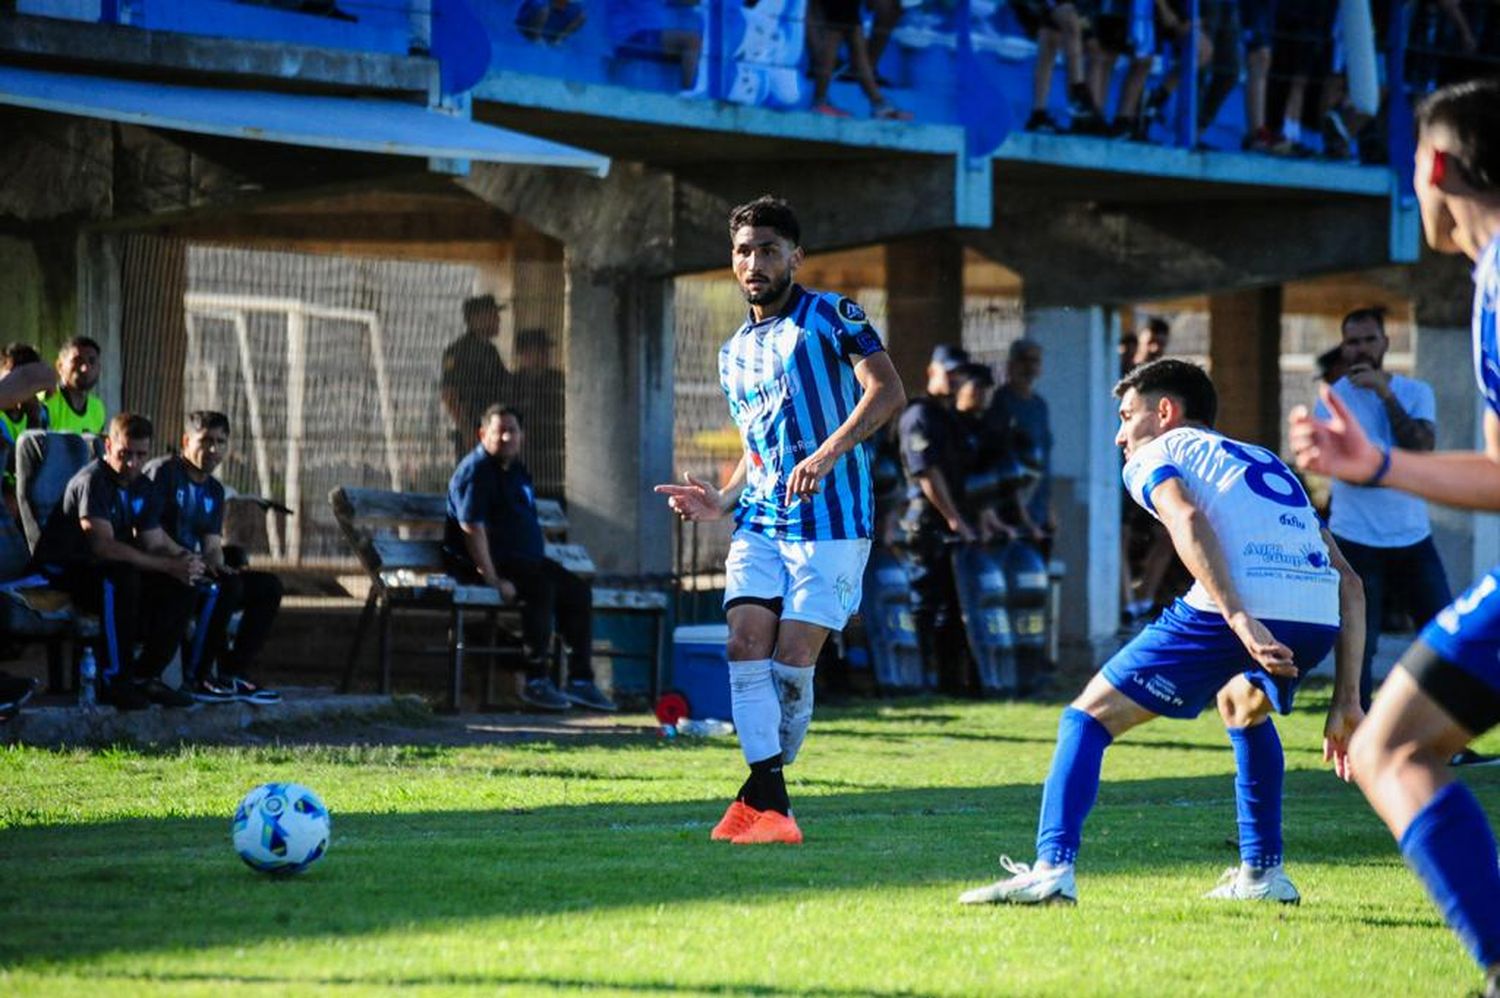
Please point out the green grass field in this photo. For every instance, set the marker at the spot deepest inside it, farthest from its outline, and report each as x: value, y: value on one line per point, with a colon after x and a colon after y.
x: 570, y: 866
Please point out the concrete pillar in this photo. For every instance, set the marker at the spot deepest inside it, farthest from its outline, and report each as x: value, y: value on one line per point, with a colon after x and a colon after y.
x: 619, y: 426
x: 924, y: 281
x: 1078, y: 370
x: 1245, y: 351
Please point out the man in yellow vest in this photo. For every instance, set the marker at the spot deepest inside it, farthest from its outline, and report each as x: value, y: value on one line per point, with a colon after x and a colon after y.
x: 73, y: 407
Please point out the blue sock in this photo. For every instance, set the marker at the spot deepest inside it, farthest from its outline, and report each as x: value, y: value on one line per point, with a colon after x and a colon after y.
x: 1071, y: 787
x: 1450, y: 848
x: 1260, y: 768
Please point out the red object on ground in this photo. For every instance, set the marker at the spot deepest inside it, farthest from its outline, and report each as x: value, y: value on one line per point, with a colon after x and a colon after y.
x: 672, y: 707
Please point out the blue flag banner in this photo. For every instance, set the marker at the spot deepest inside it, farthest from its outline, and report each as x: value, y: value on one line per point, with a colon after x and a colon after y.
x: 762, y: 44
x: 982, y: 108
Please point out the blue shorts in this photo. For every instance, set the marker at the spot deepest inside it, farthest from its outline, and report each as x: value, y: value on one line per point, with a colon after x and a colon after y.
x: 1181, y: 660
x: 1465, y: 635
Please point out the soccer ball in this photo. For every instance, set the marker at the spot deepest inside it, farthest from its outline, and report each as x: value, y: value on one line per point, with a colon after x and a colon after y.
x: 280, y: 828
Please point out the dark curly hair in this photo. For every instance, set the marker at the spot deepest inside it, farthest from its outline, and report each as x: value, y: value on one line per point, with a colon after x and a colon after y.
x: 768, y: 211
x: 1188, y: 383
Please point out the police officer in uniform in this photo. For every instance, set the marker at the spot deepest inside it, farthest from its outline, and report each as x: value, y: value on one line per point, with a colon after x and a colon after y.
x: 932, y: 455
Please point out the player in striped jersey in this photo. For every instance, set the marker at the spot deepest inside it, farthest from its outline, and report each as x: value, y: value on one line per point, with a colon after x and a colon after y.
x: 807, y: 380
x: 1445, y: 691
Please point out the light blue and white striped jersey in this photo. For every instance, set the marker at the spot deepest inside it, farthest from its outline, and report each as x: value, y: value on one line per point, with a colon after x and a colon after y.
x: 790, y: 382
x: 1486, y: 333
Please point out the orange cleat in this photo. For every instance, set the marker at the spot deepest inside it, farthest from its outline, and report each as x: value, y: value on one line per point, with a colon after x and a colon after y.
x: 739, y: 817
x: 770, y: 827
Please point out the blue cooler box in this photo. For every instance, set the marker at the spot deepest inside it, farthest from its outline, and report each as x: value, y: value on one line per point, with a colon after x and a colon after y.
x: 700, y: 669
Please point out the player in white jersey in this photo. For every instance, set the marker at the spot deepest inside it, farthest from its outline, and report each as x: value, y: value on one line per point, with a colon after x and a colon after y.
x: 1445, y: 691
x: 1269, y: 591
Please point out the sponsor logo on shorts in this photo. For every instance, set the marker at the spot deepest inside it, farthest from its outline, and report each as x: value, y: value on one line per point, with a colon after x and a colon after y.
x: 843, y: 588
x: 1161, y: 688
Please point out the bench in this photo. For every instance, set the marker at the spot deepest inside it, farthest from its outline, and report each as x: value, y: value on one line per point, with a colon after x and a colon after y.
x: 397, y: 539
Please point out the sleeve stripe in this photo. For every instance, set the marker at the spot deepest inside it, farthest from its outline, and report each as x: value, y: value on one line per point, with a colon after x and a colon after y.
x: 1163, y: 473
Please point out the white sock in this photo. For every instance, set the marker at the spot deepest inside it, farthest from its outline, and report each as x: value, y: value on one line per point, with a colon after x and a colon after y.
x: 757, y: 713
x: 1292, y: 130
x: 794, y: 689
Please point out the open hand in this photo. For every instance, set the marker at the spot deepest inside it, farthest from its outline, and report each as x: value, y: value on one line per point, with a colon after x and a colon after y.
x: 1343, y: 718
x: 1337, y: 447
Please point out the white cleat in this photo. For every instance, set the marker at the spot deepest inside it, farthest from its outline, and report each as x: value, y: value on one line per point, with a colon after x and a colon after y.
x: 1027, y: 885
x: 1243, y: 883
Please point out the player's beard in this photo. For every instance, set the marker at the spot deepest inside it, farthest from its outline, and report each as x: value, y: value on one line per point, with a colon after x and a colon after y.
x: 772, y: 290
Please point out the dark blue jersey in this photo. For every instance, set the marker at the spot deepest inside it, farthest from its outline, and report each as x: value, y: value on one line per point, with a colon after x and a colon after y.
x: 790, y: 383
x: 500, y: 499
x: 190, y: 510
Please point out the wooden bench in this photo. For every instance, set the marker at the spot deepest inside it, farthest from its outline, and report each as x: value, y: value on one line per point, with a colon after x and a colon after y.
x: 397, y: 537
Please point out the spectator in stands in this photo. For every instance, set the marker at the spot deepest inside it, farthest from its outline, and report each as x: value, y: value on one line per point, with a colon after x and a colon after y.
x: 1220, y: 21
x: 473, y: 374
x: 1123, y: 27
x: 884, y: 16
x: 1257, y: 22
x: 1172, y: 28
x: 104, y: 546
x: 493, y: 536
x: 1019, y: 414
x: 1152, y: 340
x: 832, y: 23
x: 72, y: 407
x: 1303, y: 52
x: 661, y: 28
x: 191, y: 505
x: 549, y: 21
x: 1057, y: 25
x: 1385, y: 534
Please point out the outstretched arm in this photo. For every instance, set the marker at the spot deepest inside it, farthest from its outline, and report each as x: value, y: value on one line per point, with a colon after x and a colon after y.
x: 1338, y: 447
x: 1197, y: 544
x: 696, y: 499
x: 883, y: 397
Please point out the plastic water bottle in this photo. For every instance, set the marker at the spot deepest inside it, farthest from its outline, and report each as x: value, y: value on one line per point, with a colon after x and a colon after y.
x: 88, y: 675
x: 709, y: 727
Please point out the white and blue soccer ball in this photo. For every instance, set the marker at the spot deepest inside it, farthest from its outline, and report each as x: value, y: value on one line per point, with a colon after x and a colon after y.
x: 280, y: 828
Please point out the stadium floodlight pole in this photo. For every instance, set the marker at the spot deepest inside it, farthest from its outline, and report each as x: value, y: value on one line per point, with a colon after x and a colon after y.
x: 1187, y: 90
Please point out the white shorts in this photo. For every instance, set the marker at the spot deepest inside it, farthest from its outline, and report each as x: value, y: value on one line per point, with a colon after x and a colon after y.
x: 817, y: 581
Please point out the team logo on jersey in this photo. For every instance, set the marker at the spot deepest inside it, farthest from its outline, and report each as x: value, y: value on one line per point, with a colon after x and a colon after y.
x: 136, y: 504
x: 530, y: 497
x: 208, y: 504
x: 851, y: 312
x: 867, y: 342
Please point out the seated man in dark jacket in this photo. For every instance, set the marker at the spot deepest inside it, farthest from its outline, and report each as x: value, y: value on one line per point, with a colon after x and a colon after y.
x: 493, y: 535
x: 103, y: 544
x: 191, y: 501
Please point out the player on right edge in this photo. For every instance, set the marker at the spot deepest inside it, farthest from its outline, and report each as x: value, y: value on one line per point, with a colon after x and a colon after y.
x: 1445, y: 691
